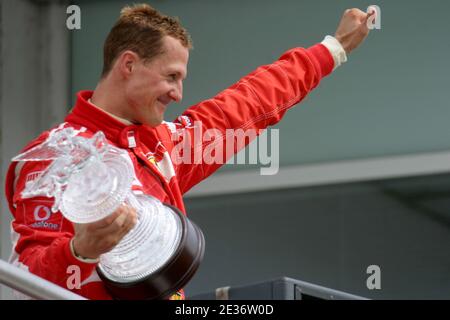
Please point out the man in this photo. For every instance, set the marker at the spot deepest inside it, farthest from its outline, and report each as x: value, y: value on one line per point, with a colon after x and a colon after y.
x: 145, y: 62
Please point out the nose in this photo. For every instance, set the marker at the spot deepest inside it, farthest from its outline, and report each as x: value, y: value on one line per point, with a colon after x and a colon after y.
x: 176, y: 94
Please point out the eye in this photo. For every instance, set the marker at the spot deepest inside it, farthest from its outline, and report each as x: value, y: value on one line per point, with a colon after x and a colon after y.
x: 173, y: 76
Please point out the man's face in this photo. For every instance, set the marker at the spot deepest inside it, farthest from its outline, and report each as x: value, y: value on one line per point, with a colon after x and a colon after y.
x: 152, y: 86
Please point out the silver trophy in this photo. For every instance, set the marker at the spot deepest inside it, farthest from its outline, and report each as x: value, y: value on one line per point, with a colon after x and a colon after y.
x: 89, y: 179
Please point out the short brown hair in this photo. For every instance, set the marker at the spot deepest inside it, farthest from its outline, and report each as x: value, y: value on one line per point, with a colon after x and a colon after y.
x: 140, y: 28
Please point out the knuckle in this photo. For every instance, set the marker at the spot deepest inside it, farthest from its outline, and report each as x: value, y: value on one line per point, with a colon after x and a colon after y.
x: 120, y: 210
x: 353, y: 12
x: 117, y: 224
x: 131, y: 226
x: 109, y: 219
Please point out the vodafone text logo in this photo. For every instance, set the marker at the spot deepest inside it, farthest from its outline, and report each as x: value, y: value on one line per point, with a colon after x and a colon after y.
x: 41, y: 214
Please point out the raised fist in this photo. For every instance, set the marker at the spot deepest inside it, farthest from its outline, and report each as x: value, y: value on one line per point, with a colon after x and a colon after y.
x: 353, y: 29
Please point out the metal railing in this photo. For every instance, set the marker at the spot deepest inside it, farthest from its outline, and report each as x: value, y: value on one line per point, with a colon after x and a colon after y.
x: 32, y: 285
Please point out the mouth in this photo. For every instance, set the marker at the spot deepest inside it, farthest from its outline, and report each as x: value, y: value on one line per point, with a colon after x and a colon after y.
x: 164, y: 101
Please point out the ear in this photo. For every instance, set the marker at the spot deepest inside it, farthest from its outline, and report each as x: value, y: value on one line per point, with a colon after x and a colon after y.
x: 127, y: 63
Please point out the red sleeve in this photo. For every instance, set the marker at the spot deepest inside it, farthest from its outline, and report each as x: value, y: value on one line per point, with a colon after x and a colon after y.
x: 41, y: 238
x: 255, y: 102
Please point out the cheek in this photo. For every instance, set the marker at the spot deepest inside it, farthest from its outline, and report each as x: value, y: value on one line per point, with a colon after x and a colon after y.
x: 138, y: 93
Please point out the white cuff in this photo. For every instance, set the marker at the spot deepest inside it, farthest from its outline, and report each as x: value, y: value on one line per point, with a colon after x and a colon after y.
x: 336, y: 50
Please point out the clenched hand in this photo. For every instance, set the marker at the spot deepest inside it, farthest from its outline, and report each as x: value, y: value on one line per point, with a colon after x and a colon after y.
x: 352, y: 29
x: 93, y: 239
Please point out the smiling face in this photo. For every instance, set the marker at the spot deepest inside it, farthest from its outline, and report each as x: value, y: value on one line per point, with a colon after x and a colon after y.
x: 150, y: 87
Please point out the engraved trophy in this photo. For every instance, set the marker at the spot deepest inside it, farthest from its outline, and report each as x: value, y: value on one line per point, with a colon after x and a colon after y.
x: 89, y: 179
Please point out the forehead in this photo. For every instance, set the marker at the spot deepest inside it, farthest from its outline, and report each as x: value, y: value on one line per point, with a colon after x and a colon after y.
x: 174, y: 57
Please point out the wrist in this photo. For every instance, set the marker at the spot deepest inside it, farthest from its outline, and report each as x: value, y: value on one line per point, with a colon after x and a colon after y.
x: 343, y: 42
x: 81, y: 257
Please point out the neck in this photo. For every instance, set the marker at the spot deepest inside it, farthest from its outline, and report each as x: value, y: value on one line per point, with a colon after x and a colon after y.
x: 108, y: 97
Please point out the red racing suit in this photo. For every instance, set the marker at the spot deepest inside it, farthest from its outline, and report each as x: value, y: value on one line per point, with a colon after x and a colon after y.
x: 260, y: 99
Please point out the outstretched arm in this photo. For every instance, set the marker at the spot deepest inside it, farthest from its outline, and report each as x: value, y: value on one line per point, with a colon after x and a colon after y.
x: 261, y: 98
